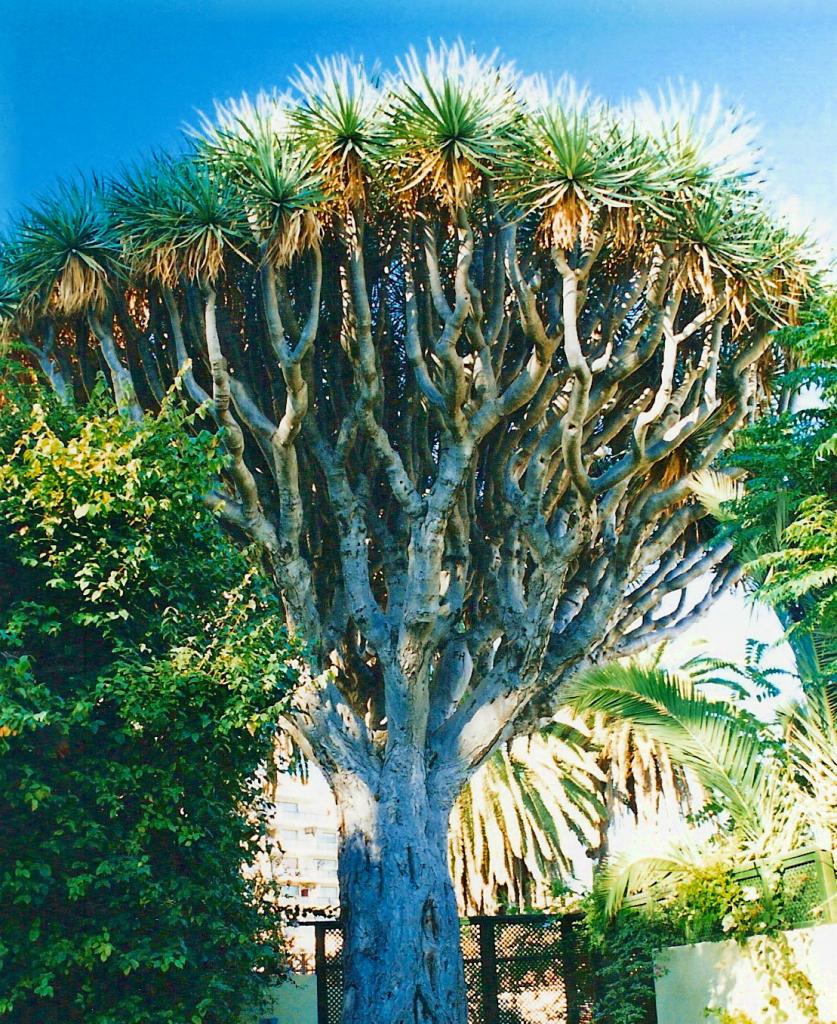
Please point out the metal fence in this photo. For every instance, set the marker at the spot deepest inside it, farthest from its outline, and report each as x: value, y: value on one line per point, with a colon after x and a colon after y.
x: 519, y: 969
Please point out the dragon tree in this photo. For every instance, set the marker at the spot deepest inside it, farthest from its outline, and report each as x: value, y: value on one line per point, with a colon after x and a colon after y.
x: 470, y: 341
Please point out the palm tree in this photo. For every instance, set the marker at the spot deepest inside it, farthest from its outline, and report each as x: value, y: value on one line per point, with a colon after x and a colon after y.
x: 539, y: 801
x: 767, y: 795
x: 516, y: 822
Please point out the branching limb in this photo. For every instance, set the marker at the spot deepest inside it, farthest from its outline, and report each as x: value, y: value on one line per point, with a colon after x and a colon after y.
x: 574, y: 418
x: 120, y: 376
x: 669, y: 627
x: 47, y: 360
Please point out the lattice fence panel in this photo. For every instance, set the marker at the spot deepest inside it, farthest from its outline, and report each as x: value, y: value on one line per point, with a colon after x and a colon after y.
x: 530, y: 972
x: 518, y: 970
x: 333, y: 975
x: 803, y: 891
x: 470, y: 937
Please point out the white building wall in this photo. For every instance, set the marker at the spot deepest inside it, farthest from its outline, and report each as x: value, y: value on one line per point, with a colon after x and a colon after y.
x: 728, y: 976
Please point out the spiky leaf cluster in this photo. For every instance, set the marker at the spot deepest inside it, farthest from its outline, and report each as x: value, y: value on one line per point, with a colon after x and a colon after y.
x: 267, y: 176
x: 65, y: 252
x: 177, y: 218
x: 9, y: 300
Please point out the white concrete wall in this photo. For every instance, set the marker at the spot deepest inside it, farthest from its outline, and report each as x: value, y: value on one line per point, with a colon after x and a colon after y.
x: 725, y: 976
x: 294, y: 1002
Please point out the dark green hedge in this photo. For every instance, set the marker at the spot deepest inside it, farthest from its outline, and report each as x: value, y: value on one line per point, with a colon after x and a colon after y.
x: 142, y: 669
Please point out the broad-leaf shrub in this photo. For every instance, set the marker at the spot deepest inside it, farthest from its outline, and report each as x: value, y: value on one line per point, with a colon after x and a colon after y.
x: 142, y: 669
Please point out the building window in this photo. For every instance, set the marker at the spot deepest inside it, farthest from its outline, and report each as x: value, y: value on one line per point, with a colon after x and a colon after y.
x: 327, y: 891
x: 290, y: 863
x: 327, y: 838
x: 288, y: 808
x: 288, y: 835
x: 329, y: 867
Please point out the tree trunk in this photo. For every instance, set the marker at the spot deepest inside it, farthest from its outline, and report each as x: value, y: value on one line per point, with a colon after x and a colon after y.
x: 402, y: 962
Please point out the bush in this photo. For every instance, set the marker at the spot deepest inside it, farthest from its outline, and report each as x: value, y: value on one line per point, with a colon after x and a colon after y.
x: 136, y: 703
x: 709, y: 905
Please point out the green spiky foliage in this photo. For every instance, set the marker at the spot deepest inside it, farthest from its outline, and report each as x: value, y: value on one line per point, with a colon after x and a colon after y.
x: 178, y: 219
x: 341, y: 125
x: 451, y: 120
x: 8, y: 297
x: 9, y: 300
x: 266, y: 174
x: 441, y: 125
x: 279, y: 185
x: 65, y: 253
x: 586, y: 164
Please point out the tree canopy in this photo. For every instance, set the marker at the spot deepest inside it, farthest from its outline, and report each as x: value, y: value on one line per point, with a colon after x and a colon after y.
x: 785, y: 518
x: 550, y: 313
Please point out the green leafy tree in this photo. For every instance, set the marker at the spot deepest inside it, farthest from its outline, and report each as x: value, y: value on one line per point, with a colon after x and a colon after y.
x: 468, y: 340
x: 785, y: 516
x: 143, y: 669
x: 784, y: 520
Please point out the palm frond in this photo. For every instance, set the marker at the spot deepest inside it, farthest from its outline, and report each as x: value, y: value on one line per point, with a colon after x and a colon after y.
x: 516, y: 820
x: 635, y: 872
x: 720, y: 744
x: 714, y: 489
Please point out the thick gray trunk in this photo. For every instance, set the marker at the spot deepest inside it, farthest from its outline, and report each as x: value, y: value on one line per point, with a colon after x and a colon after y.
x: 402, y: 962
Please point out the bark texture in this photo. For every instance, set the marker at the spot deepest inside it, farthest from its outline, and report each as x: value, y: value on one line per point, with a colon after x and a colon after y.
x: 401, y: 956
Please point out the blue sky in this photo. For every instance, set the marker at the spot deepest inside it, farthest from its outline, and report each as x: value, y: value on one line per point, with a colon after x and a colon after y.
x: 88, y: 84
